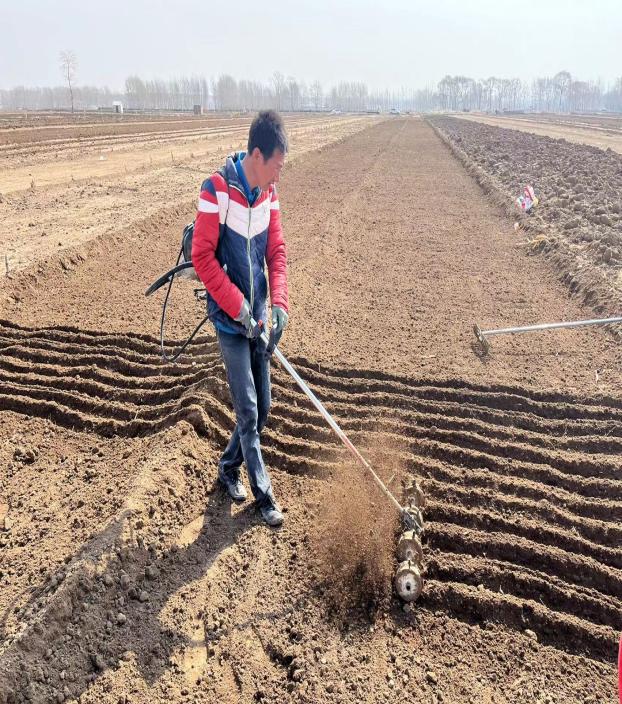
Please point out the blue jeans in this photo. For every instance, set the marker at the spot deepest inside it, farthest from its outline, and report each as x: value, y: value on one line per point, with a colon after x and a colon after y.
x: 248, y: 374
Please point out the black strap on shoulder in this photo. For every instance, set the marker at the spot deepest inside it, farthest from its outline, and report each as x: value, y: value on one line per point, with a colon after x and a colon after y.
x: 223, y: 172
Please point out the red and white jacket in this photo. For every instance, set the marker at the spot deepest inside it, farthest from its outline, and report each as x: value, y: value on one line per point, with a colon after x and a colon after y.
x: 231, y: 245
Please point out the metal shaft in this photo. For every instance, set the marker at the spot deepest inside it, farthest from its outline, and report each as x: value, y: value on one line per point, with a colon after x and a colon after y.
x: 330, y: 420
x: 552, y: 326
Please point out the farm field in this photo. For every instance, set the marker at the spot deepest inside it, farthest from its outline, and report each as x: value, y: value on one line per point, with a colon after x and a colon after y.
x: 604, y: 132
x: 125, y: 574
x: 61, y: 185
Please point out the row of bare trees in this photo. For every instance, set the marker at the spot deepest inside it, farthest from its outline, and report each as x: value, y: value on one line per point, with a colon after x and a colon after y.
x: 57, y: 98
x: 613, y: 97
x: 174, y: 94
x: 559, y: 93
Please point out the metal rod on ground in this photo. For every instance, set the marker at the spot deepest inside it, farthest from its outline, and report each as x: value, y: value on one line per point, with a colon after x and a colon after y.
x: 338, y: 431
x: 483, y: 334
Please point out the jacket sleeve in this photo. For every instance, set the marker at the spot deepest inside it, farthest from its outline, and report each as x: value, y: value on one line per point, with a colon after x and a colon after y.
x: 204, y: 243
x: 276, y: 255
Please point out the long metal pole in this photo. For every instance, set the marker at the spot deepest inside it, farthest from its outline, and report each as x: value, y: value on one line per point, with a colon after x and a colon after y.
x: 333, y: 424
x: 552, y: 326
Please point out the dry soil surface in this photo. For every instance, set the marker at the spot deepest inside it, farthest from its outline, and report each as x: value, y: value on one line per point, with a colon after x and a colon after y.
x: 577, y: 222
x: 64, y: 185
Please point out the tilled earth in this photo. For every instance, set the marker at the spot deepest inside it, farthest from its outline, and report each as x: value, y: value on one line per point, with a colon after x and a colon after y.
x: 595, y: 130
x: 128, y: 577
x: 579, y: 219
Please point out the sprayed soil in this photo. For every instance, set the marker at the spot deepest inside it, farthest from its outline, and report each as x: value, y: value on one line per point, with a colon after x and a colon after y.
x: 127, y: 576
x: 355, y: 536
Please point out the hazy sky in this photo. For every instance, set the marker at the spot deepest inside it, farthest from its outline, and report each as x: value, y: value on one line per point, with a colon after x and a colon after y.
x: 385, y: 44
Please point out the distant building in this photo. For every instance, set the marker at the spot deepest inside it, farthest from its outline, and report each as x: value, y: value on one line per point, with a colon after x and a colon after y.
x: 118, y: 106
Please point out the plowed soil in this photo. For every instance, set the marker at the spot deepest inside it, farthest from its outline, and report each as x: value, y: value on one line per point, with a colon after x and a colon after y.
x: 127, y: 576
x: 597, y: 131
x: 578, y: 222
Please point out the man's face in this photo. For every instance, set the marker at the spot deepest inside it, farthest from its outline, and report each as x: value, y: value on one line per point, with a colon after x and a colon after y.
x: 268, y: 171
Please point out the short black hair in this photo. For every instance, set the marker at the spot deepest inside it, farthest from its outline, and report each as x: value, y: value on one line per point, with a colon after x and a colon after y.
x: 267, y: 133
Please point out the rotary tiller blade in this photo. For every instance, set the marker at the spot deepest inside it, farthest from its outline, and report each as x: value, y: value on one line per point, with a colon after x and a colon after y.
x: 409, y: 547
x: 408, y: 581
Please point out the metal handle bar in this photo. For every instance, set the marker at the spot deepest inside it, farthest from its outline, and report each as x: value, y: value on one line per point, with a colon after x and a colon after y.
x: 552, y: 326
x: 333, y: 424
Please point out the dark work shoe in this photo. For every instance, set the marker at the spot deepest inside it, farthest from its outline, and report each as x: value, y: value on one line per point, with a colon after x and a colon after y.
x: 272, y: 515
x: 235, y: 489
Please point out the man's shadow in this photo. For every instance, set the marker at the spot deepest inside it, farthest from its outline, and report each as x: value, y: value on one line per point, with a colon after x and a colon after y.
x: 85, y: 636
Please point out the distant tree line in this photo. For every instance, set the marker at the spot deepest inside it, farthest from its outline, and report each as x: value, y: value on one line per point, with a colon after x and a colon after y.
x: 57, y: 98
x: 559, y: 93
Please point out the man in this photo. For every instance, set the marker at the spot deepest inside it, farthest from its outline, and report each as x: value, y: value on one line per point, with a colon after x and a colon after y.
x: 237, y: 229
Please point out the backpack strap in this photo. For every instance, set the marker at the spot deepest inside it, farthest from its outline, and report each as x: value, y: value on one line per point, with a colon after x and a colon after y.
x: 223, y: 173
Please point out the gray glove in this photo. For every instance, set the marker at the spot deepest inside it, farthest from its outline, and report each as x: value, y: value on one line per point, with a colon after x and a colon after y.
x: 246, y: 318
x: 279, y: 320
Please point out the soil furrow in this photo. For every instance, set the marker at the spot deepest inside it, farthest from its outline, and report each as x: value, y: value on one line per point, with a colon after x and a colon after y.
x: 584, y: 486
x: 564, y: 632
x: 597, y: 532
x: 155, y: 396
x: 571, y: 463
x: 537, y: 532
x: 71, y: 349
x: 108, y: 380
x: 573, y: 569
x: 524, y: 584
x: 575, y: 436
x: 112, y: 363
x: 604, y: 510
x: 605, y: 420
x: 138, y: 342
x: 67, y: 417
x: 549, y: 404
